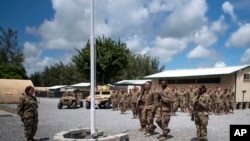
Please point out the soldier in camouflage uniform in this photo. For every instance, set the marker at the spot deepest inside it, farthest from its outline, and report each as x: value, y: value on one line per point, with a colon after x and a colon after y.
x: 113, y: 98
x: 27, y: 109
x: 128, y: 101
x: 166, y: 98
x: 226, y: 101
x: 218, y: 100
x: 231, y: 97
x: 191, y: 95
x: 141, y: 103
x: 201, y: 113
x: 148, y: 111
x: 122, y: 100
x: 135, y: 94
x: 183, y: 99
x: 175, y: 104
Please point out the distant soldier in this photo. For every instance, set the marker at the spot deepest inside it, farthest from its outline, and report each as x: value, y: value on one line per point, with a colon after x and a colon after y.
x: 128, y: 101
x: 135, y: 94
x: 166, y: 97
x: 113, y: 98
x: 191, y: 95
x: 27, y: 109
x: 183, y: 99
x: 225, y: 99
x: 211, y: 94
x: 232, y: 98
x: 148, y: 111
x: 122, y: 100
x: 140, y: 105
x: 175, y: 104
x: 218, y: 100
x: 201, y: 113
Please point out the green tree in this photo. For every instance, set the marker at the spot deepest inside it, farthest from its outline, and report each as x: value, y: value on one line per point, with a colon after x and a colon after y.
x: 11, y: 56
x: 111, y: 59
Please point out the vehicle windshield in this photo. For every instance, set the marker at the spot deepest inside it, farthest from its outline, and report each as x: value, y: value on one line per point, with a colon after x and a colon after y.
x: 106, y: 93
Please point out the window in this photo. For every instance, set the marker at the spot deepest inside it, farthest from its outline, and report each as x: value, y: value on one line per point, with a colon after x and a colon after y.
x: 186, y: 81
x: 246, y: 76
x: 169, y: 81
x: 106, y: 93
x: 97, y: 93
x: 208, y: 80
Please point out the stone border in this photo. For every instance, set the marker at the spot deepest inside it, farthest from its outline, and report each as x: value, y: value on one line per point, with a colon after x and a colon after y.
x: 79, y: 134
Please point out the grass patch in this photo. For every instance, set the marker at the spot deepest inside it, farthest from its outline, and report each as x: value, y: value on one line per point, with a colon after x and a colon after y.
x: 8, y: 109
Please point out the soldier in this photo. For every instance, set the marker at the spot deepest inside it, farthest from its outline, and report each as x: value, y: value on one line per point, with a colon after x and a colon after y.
x: 122, y: 100
x: 225, y: 98
x: 212, y: 100
x: 128, y: 101
x: 140, y: 105
x: 231, y: 97
x: 135, y: 95
x: 113, y: 100
x: 201, y: 113
x: 183, y: 99
x: 175, y: 104
x: 191, y: 95
x: 218, y: 100
x: 27, y: 109
x: 166, y: 98
x: 148, y: 111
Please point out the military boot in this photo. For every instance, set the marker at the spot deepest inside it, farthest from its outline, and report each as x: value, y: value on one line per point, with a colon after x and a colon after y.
x: 148, y: 134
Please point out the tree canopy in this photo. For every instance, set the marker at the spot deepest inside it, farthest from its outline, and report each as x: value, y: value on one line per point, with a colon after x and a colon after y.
x: 11, y: 55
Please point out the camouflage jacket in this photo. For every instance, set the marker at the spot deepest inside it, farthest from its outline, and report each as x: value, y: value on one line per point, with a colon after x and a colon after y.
x: 27, y: 106
x: 135, y: 95
x: 203, y: 104
x: 166, y: 99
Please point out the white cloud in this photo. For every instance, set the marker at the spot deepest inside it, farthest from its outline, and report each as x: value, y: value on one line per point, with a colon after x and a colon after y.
x: 219, y: 64
x: 166, y: 48
x: 229, y: 9
x: 202, y: 52
x: 240, y: 38
x: 137, y: 44
x: 245, y: 59
x: 188, y: 15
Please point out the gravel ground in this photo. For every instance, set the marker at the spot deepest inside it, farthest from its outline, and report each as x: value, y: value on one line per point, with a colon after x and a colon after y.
x: 52, y: 121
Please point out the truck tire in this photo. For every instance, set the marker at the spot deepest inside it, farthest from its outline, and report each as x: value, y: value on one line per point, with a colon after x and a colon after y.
x: 59, y: 105
x: 107, y: 104
x: 74, y: 104
x: 81, y: 104
x: 87, y: 105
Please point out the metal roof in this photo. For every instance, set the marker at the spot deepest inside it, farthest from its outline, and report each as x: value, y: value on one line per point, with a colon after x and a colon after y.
x: 83, y: 84
x: 197, y: 72
x: 132, y: 82
x: 56, y: 87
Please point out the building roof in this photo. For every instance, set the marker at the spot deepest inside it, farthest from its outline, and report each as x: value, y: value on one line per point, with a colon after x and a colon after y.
x: 197, y: 72
x: 56, y: 87
x: 132, y: 82
x: 83, y: 84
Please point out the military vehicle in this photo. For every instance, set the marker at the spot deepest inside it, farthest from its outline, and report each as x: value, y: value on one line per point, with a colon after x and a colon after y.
x: 70, y: 99
x: 102, y: 97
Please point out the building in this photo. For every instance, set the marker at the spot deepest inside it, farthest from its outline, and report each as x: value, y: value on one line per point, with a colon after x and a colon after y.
x: 129, y: 84
x: 236, y: 76
x: 12, y: 89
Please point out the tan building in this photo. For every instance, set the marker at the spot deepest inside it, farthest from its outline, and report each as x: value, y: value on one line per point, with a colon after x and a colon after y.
x: 12, y: 89
x: 236, y: 76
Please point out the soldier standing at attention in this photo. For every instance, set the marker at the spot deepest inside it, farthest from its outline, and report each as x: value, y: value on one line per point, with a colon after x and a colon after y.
x: 148, y: 111
x: 191, y: 95
x: 27, y: 109
x: 166, y: 100
x: 122, y: 101
x: 201, y: 113
x: 218, y: 101
x: 183, y: 99
x: 135, y: 95
x: 113, y: 97
x: 175, y: 104
x: 128, y: 101
x: 231, y: 97
x: 141, y: 104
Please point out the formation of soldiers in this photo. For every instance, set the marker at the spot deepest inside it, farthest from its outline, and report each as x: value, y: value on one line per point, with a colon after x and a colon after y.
x: 149, y: 103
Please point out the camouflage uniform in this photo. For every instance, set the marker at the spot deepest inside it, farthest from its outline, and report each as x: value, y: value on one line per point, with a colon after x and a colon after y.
x: 135, y: 95
x: 122, y: 101
x: 231, y: 99
x: 128, y: 100
x: 27, y: 109
x: 191, y: 95
x: 226, y: 101
x: 148, y: 111
x: 141, y: 104
x: 183, y: 100
x: 175, y: 104
x: 113, y: 98
x: 166, y: 98
x: 218, y: 102
x: 201, y: 116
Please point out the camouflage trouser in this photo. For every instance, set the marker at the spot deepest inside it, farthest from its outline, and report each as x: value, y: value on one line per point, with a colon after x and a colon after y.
x: 231, y: 105
x: 201, y: 122
x: 226, y: 106
x: 175, y: 106
x: 183, y: 105
x: 148, y: 118
x: 218, y: 107
x: 30, y: 126
x: 122, y: 106
x: 114, y: 104
x: 158, y: 116
x: 133, y: 108
x: 163, y: 122
x: 142, y: 123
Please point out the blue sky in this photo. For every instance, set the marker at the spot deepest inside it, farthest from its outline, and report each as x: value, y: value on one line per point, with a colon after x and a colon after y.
x: 182, y: 33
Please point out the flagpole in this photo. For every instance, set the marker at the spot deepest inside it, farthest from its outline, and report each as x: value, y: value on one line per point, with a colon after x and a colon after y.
x: 92, y: 71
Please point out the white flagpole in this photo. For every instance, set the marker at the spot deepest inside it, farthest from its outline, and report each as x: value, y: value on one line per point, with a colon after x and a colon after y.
x: 92, y: 70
